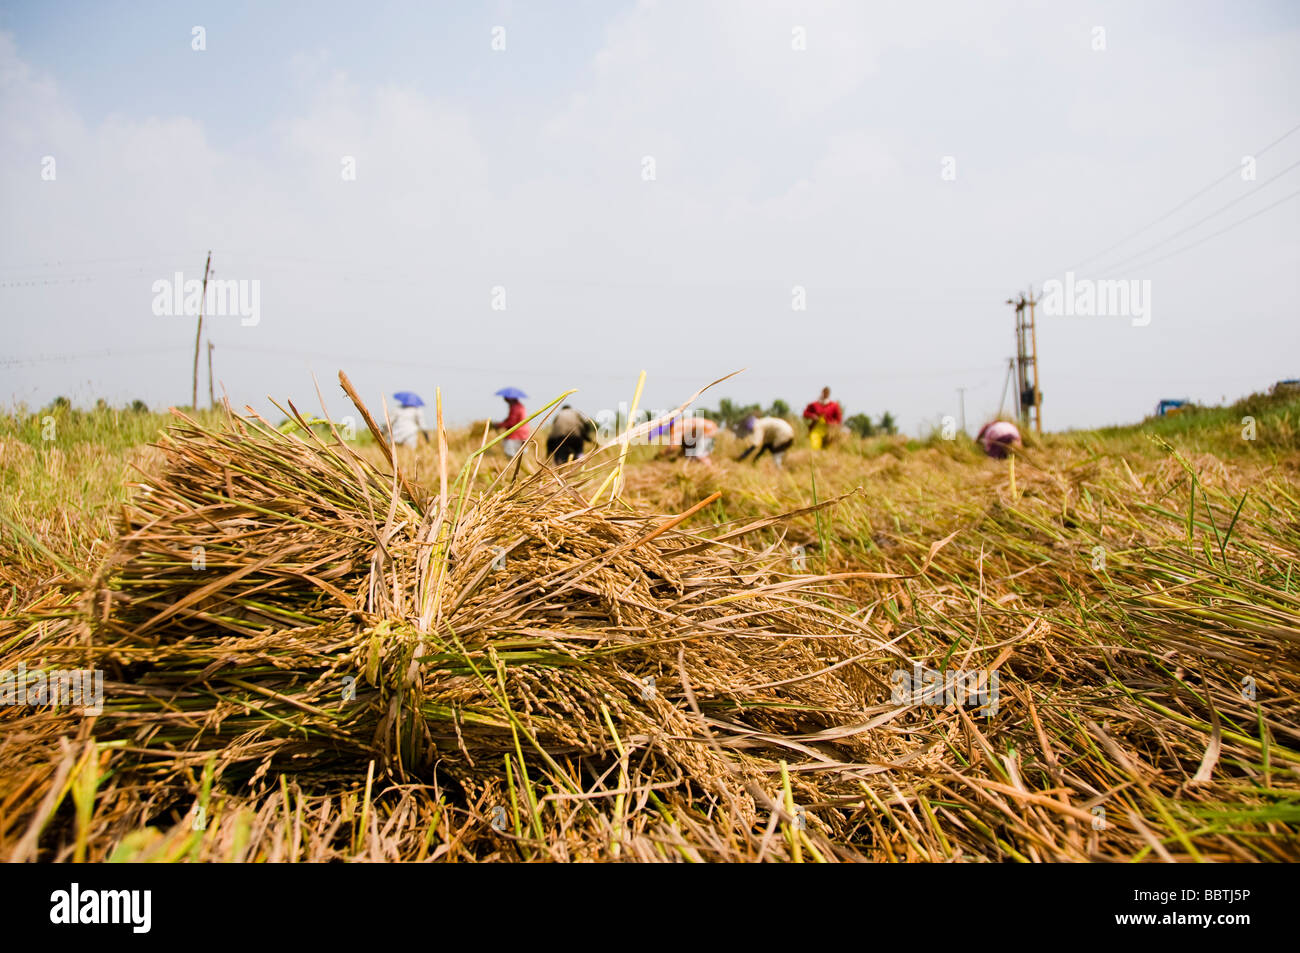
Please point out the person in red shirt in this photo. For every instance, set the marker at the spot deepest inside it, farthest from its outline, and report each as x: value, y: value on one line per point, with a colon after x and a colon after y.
x: 822, y: 415
x: 515, y: 412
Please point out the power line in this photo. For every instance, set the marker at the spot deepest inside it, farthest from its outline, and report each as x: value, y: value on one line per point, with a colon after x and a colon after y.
x: 35, y: 282
x: 1242, y: 221
x: 344, y: 359
x: 1201, y: 221
x: 60, y: 263
x: 84, y: 356
x: 1185, y: 202
x: 31, y: 360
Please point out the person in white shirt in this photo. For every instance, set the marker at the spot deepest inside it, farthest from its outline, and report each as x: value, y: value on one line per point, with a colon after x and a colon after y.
x: 407, y: 426
x: 766, y: 434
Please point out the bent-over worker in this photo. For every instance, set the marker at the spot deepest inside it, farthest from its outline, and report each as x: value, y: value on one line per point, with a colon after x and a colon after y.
x: 570, y: 432
x: 693, y: 436
x: 766, y: 434
x: 998, y: 437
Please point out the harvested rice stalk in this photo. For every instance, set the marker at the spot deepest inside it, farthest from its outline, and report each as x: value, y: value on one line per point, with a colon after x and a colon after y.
x: 278, y: 603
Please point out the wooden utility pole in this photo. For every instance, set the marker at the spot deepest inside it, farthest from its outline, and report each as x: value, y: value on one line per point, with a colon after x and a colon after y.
x: 198, y: 335
x: 211, y: 400
x: 961, y: 396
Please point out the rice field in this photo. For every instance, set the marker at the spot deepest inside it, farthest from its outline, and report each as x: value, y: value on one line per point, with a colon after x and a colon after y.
x: 890, y: 650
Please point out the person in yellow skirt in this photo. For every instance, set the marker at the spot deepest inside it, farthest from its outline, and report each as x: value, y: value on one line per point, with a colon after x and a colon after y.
x: 822, y: 415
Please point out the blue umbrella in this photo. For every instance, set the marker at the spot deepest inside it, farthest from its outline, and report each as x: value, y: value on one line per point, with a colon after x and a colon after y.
x: 511, y: 393
x: 408, y: 399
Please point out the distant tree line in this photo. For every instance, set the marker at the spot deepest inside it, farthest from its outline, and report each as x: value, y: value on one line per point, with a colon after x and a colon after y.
x: 863, y: 426
x: 62, y: 403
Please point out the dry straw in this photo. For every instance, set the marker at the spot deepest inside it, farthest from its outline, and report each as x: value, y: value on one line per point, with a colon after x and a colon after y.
x: 311, y: 655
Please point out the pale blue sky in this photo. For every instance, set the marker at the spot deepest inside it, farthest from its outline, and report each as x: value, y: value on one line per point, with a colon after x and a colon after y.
x: 523, y: 168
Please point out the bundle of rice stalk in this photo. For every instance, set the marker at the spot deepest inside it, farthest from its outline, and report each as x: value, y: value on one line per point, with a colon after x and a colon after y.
x: 279, y: 603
